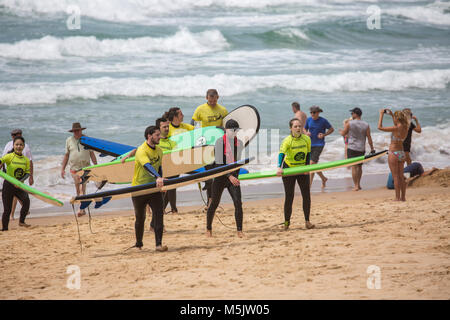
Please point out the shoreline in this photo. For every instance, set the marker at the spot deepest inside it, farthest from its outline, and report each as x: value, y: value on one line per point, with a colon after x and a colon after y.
x: 192, y: 198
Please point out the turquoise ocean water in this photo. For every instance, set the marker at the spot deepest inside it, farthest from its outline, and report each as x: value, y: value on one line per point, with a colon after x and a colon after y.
x: 131, y: 60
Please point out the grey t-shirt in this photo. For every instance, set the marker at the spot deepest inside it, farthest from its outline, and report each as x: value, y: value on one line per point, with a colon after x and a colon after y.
x: 357, y: 135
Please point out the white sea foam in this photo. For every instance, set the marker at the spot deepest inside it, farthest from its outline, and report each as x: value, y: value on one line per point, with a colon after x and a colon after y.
x: 51, y: 48
x: 193, y: 86
x: 434, y: 13
x: 293, y: 33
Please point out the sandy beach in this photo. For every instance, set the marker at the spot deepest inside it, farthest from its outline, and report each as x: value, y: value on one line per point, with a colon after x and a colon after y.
x: 408, y: 243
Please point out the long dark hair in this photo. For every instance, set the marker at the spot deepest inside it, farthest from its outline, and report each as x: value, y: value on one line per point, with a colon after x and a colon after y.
x: 14, y: 140
x: 172, y: 113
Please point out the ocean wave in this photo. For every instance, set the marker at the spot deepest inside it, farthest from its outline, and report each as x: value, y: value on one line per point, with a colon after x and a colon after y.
x: 436, y: 13
x: 293, y: 33
x: 229, y: 85
x: 51, y: 48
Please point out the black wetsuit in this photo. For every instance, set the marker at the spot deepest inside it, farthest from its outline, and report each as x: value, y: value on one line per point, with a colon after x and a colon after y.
x: 303, y: 182
x: 222, y: 182
x: 8, y: 193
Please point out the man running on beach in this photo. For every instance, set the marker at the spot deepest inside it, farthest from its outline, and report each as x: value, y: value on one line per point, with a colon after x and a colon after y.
x: 357, y: 131
x: 317, y: 128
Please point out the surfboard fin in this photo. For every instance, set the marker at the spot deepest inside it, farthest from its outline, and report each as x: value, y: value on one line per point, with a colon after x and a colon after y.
x: 105, y: 200
x: 85, y: 204
x: 85, y: 177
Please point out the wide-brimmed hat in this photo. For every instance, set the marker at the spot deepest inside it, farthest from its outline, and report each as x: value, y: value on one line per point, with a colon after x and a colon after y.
x: 76, y: 126
x: 315, y: 109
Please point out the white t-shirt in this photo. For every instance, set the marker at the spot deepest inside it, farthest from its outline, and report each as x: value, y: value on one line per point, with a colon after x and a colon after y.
x: 79, y: 157
x: 26, y: 151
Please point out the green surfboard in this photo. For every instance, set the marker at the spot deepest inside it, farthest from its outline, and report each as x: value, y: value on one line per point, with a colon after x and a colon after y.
x: 35, y: 193
x: 313, y: 167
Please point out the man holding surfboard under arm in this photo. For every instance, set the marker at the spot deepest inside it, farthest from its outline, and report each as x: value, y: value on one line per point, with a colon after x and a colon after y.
x: 210, y: 114
x: 147, y: 169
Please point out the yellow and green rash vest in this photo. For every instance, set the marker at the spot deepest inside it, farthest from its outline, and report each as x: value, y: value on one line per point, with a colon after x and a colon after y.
x: 16, y: 166
x: 183, y: 127
x: 145, y: 154
x: 296, y: 150
x: 210, y: 116
x: 166, y: 144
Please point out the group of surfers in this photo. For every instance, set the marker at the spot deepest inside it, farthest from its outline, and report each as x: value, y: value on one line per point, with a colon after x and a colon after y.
x: 295, y: 151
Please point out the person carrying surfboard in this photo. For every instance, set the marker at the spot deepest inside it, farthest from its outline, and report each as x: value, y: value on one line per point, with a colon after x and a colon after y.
x: 147, y: 169
x: 209, y: 114
x: 176, y: 124
x: 228, y: 149
x: 77, y: 157
x: 17, y: 166
x: 9, y: 147
x: 166, y: 145
x: 295, y: 151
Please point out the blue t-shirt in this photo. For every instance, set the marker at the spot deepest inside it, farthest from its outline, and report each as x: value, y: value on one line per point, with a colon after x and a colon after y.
x: 320, y: 125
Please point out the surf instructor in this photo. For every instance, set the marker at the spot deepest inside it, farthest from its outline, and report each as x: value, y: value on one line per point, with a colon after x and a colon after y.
x: 147, y: 169
x: 209, y: 114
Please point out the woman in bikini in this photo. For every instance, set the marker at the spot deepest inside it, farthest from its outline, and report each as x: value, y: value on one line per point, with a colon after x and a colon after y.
x: 396, y: 156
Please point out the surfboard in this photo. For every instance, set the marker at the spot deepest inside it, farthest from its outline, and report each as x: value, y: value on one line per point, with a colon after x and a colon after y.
x: 247, y: 117
x: 105, y: 147
x: 313, y: 167
x: 100, y: 198
x: 35, y: 193
x: 174, y: 162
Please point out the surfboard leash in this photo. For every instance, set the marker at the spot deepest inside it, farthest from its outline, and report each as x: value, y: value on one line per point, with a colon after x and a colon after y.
x: 78, y: 228
x: 90, y: 227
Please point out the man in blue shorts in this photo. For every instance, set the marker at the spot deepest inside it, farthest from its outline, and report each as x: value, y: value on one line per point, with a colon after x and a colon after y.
x: 317, y: 129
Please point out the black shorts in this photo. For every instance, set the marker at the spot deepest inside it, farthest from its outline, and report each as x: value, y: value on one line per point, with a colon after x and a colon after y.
x: 353, y: 153
x: 315, y: 153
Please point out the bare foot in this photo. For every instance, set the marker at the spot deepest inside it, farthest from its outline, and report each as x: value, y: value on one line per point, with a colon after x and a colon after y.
x: 240, y: 234
x: 309, y: 225
x: 324, y: 182
x: 161, y: 248
x: 23, y: 224
x: 209, y: 233
x: 356, y: 189
x: 81, y: 213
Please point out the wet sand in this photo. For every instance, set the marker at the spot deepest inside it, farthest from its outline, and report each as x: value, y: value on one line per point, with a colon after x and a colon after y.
x: 408, y: 241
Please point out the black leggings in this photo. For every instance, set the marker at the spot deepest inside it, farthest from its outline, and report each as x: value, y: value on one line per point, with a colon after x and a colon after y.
x: 171, y: 196
x: 140, y: 203
x: 218, y: 185
x: 289, y: 189
x: 8, y: 194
